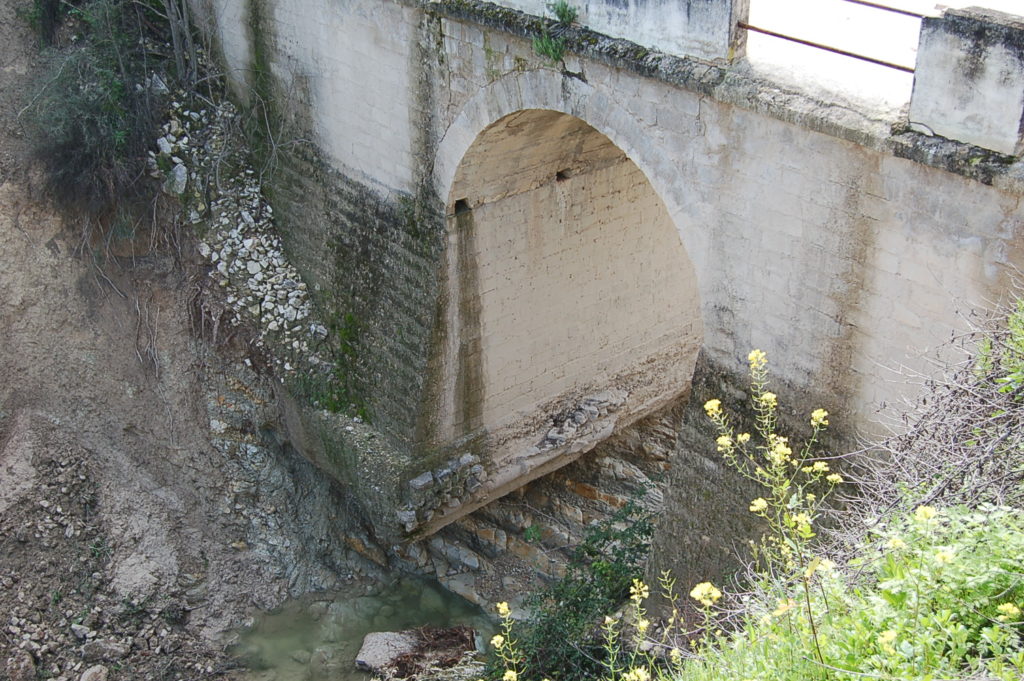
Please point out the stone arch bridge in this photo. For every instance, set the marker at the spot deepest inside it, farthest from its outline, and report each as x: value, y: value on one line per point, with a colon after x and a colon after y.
x: 524, y: 256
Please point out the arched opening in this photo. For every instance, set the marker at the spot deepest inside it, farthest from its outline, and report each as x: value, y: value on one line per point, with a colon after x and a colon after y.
x: 571, y: 306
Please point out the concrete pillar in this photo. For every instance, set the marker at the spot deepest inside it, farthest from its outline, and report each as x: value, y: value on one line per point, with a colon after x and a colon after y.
x: 969, y: 80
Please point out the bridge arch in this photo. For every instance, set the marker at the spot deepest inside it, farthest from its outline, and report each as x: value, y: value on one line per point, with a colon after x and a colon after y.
x: 603, y: 110
x: 570, y: 298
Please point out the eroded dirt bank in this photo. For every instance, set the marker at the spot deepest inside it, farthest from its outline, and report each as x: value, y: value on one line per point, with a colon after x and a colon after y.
x: 146, y: 504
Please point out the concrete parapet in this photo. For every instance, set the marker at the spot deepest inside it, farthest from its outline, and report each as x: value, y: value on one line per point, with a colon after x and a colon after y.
x: 705, y: 29
x: 969, y: 80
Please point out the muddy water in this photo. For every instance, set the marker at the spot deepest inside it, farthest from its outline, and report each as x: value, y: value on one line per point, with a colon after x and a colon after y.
x: 315, y: 639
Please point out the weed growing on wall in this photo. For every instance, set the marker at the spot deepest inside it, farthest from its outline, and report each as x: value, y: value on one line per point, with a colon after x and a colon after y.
x: 564, y: 13
x: 551, y: 43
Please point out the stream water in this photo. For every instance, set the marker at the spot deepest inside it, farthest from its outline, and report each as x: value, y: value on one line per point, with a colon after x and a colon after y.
x: 317, y: 637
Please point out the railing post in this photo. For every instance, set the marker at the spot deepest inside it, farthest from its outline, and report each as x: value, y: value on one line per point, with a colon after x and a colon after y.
x: 969, y: 80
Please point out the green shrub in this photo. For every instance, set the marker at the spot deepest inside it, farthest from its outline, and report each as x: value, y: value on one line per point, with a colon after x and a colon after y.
x: 562, y: 640
x: 96, y: 115
x: 43, y: 16
x: 936, y: 595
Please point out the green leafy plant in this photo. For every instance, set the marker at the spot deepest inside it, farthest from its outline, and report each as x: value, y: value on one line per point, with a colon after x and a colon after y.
x: 96, y: 113
x: 562, y: 640
x: 564, y: 12
x: 932, y: 595
x: 550, y: 43
x: 549, y: 46
x: 924, y: 593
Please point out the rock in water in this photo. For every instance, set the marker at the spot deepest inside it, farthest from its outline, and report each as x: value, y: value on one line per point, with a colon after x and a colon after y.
x: 382, y: 648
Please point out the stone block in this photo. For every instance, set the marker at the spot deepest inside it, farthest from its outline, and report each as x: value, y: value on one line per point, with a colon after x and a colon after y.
x: 383, y: 647
x: 969, y: 79
x: 422, y: 482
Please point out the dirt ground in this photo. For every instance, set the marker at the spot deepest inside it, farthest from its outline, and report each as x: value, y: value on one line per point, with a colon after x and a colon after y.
x: 146, y: 507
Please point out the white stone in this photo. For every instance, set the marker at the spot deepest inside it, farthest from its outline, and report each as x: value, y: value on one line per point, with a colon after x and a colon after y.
x: 253, y: 266
x: 381, y: 648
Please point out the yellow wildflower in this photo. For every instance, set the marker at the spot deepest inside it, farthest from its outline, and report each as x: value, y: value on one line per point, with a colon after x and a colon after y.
x: 924, y: 513
x: 758, y: 505
x: 769, y: 400
x: 498, y: 641
x: 780, y: 451
x: 810, y: 497
x: 819, y: 418
x: 820, y: 467
x: 757, y: 359
x: 1008, y: 611
x: 834, y: 478
x: 509, y: 675
x: 944, y: 557
x: 675, y: 655
x: 802, y: 520
x: 724, y: 443
x: 638, y: 591
x: 713, y: 408
x: 706, y: 594
x: 885, y: 640
x: 785, y: 605
x: 743, y: 438
x: 642, y: 625
x: 503, y: 609
x: 896, y: 543
x: 637, y: 674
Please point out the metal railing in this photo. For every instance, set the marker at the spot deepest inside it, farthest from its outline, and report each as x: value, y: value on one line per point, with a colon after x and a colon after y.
x: 836, y: 50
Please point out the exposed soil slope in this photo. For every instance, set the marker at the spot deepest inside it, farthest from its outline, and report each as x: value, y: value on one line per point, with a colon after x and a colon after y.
x: 131, y: 534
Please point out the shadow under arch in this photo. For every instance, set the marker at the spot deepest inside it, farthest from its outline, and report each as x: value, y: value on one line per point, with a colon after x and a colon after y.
x: 570, y: 306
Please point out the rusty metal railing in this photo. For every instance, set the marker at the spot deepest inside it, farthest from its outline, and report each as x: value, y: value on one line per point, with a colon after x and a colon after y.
x: 836, y: 50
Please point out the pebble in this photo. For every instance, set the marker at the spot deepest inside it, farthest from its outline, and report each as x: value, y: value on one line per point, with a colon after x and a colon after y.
x: 95, y: 673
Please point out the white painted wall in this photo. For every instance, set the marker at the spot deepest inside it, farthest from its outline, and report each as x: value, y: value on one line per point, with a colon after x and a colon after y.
x: 355, y: 58
x: 699, y: 28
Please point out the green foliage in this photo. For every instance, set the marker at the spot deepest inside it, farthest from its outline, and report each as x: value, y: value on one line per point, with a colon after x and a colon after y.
x: 95, y: 116
x: 549, y: 46
x: 1001, y: 359
x: 943, y: 601
x: 532, y: 534
x: 43, y: 16
x: 562, y: 640
x: 564, y: 12
x: 550, y: 43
